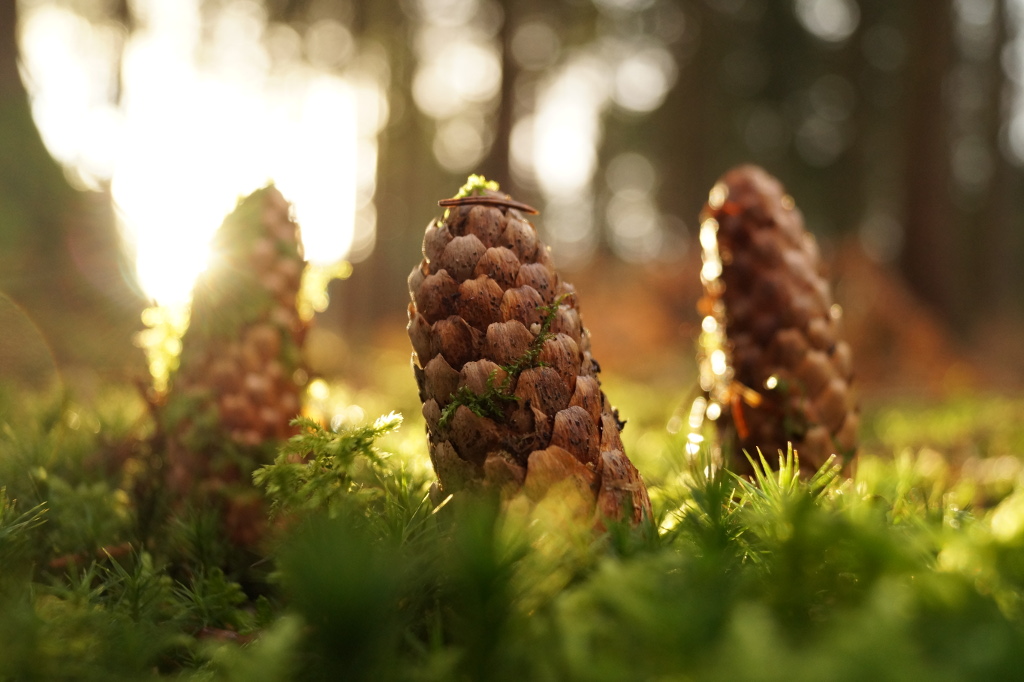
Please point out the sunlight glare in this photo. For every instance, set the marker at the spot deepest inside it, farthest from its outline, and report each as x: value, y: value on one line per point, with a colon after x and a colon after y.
x: 185, y: 129
x: 65, y: 63
x: 322, y: 183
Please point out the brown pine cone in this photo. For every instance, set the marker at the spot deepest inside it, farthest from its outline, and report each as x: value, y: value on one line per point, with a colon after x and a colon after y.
x: 509, y: 388
x: 771, y: 357
x: 240, y: 372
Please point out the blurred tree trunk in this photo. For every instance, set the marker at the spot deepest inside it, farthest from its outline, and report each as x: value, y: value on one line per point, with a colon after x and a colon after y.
x: 927, y: 256
x: 32, y: 187
x: 496, y: 164
x: 691, y: 124
x: 408, y: 188
x: 882, y: 130
x: 59, y: 254
x: 1000, y: 242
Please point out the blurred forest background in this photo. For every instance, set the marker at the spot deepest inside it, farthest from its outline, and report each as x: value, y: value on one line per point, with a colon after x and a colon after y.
x: 128, y: 129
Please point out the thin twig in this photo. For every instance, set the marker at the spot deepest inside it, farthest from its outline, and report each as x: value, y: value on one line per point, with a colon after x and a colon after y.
x: 489, y: 201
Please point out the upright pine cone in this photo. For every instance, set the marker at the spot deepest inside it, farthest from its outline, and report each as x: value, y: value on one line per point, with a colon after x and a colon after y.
x: 238, y: 377
x: 509, y: 388
x: 771, y: 357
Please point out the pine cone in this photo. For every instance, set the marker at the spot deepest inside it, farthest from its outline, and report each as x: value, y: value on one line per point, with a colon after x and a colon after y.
x: 771, y: 357
x: 509, y: 387
x: 239, y: 375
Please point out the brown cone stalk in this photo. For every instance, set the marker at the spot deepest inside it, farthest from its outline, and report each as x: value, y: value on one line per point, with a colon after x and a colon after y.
x: 239, y: 378
x: 509, y: 387
x: 771, y: 358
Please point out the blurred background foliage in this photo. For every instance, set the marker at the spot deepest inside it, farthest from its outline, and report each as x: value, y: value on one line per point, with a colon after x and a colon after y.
x: 129, y: 127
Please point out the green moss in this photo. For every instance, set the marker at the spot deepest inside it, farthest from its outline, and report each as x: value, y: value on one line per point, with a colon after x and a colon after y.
x: 895, y: 574
x: 492, y: 401
x: 318, y: 468
x: 476, y: 185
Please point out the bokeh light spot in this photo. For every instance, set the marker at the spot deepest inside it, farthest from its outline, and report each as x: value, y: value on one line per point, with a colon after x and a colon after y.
x: 535, y: 45
x: 830, y: 20
x: 881, y: 237
x: 630, y: 171
x: 643, y: 79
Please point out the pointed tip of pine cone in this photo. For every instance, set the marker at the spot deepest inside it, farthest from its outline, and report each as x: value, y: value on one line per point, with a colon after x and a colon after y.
x: 745, y: 182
